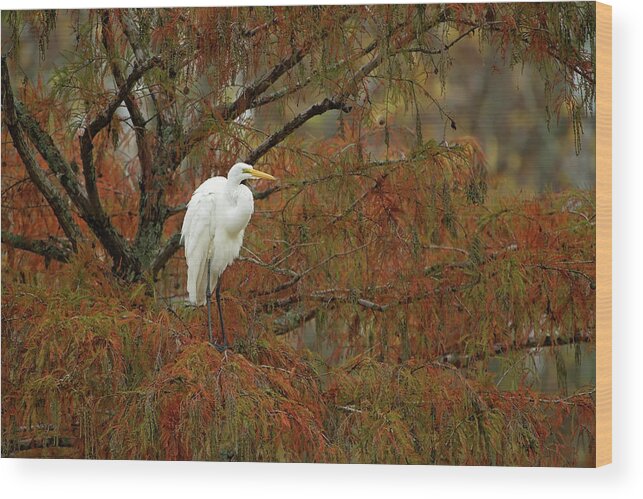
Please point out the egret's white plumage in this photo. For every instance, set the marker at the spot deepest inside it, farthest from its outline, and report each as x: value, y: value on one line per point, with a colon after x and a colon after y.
x: 213, y: 227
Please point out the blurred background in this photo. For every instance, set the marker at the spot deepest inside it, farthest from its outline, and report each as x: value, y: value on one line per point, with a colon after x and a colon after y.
x: 503, y: 107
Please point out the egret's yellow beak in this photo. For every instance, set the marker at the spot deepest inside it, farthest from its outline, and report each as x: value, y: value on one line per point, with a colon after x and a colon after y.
x: 259, y: 174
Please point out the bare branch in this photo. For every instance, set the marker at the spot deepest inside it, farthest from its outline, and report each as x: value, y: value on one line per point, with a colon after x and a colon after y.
x: 261, y: 84
x: 58, y: 164
x: 338, y: 102
x: 100, y: 122
x: 52, y: 248
x: 152, y: 183
x: 261, y: 27
x: 129, y: 28
x: 274, y: 139
x: 462, y: 360
x: 174, y: 210
x: 258, y: 195
x: 36, y: 174
x: 445, y: 47
x: 172, y: 246
x: 289, y: 321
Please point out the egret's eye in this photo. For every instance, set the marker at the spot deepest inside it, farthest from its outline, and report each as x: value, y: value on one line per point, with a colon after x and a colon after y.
x: 247, y: 170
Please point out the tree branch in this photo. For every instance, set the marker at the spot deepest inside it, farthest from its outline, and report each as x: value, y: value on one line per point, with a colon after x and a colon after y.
x: 152, y: 183
x: 281, y: 93
x: 54, y: 158
x: 36, y: 174
x: 245, y: 100
x: 139, y: 122
x: 173, y: 210
x: 289, y: 322
x: 333, y: 297
x: 100, y: 122
x: 95, y: 217
x: 261, y: 84
x: 129, y: 29
x: 261, y: 27
x: 267, y: 192
x: 274, y: 139
x: 241, y: 104
x: 172, y: 246
x: 337, y: 102
x: 462, y: 360
x: 46, y: 147
x: 52, y: 248
x: 445, y: 47
x: 285, y: 91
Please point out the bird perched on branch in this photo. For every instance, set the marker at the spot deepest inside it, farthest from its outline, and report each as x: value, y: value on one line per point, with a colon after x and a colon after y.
x: 213, y: 228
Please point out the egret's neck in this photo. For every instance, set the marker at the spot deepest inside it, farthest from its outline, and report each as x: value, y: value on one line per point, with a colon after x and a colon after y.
x: 233, y: 188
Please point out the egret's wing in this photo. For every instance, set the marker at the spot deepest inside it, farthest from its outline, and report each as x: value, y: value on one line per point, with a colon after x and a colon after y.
x: 197, y: 234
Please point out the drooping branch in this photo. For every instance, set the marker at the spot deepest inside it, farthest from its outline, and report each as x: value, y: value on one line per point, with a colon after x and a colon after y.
x: 552, y: 50
x: 445, y: 47
x: 52, y: 248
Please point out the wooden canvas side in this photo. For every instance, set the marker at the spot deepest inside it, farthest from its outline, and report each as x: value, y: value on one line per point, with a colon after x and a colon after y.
x: 603, y: 234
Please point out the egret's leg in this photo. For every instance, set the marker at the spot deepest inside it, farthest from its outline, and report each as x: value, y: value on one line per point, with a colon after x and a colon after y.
x: 208, y: 299
x: 218, y: 293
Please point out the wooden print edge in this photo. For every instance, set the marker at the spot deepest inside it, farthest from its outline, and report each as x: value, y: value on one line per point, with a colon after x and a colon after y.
x: 603, y: 234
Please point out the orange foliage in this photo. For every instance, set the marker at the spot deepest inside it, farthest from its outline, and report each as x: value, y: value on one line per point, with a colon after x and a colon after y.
x: 399, y: 248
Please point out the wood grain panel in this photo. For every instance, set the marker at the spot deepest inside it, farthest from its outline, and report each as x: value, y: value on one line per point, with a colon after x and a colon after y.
x: 603, y: 234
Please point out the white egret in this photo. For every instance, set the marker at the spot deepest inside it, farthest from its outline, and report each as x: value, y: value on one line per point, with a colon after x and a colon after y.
x: 213, y: 227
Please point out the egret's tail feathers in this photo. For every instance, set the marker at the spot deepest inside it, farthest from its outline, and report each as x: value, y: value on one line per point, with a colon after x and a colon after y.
x: 197, y: 277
